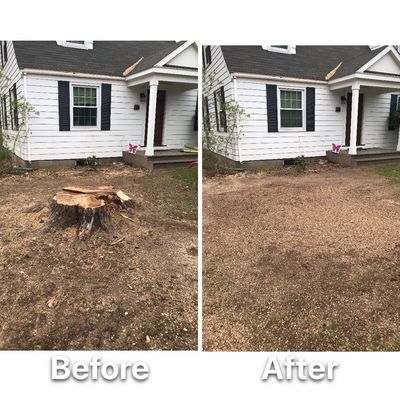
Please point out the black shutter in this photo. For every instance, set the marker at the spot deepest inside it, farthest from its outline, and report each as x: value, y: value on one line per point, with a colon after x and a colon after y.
x: 105, y: 107
x: 15, y: 106
x: 208, y: 55
x: 5, y: 55
x: 393, y: 106
x: 5, y: 112
x: 223, y: 110
x: 11, y: 108
x: 310, y: 109
x: 216, y: 110
x: 63, y: 106
x: 1, y: 54
x: 272, y: 108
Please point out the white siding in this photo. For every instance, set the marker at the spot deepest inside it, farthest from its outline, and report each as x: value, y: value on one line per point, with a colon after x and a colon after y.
x: 259, y: 144
x: 180, y: 109
x: 127, y: 124
x: 375, y: 132
x: 12, y: 71
x: 217, y: 75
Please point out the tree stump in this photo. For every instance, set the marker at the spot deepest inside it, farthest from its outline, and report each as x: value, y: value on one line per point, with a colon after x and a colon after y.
x: 87, y: 208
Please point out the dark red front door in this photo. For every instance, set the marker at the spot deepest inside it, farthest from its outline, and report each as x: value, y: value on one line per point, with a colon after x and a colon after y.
x: 359, y: 121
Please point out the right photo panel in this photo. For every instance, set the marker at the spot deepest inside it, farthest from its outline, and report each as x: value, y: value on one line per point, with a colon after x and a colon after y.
x: 301, y: 198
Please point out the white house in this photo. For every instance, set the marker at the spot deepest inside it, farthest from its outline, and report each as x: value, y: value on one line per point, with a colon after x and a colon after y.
x: 98, y: 97
x: 302, y: 99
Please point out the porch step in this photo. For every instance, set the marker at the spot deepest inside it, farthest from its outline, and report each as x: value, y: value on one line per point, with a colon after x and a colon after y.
x: 178, y: 155
x: 364, y: 156
x: 377, y: 159
x: 173, y: 163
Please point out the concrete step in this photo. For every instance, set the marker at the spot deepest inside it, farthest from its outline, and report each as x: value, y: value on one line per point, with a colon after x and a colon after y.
x: 183, y: 163
x: 377, y: 160
x: 362, y: 155
x: 175, y: 156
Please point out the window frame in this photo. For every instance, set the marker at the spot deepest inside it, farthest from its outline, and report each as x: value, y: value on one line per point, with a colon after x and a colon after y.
x: 96, y: 127
x: 86, y: 45
x: 398, y: 103
x: 290, y: 49
x: 303, y: 109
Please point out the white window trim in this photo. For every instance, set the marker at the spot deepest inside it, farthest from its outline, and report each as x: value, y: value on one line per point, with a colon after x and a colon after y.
x: 87, y: 44
x: 291, y: 49
x: 71, y: 107
x: 294, y: 129
x: 398, y: 103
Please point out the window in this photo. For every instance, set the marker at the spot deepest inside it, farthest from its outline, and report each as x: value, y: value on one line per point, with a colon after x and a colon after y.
x: 207, y: 55
x: 287, y: 49
x: 219, y: 102
x: 4, y: 55
x: 85, y: 106
x: 291, y: 108
x: 76, y: 44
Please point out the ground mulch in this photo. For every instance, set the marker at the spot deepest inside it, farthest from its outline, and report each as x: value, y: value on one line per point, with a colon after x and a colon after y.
x: 134, y: 288
x: 301, y: 262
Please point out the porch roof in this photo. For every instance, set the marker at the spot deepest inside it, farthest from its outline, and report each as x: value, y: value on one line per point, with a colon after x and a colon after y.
x: 186, y: 76
x: 381, y: 71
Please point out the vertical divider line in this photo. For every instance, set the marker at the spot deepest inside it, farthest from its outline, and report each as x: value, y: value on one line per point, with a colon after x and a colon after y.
x: 200, y: 203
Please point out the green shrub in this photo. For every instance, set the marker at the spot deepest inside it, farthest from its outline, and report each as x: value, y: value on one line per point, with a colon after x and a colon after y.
x: 91, y: 162
x: 300, y: 163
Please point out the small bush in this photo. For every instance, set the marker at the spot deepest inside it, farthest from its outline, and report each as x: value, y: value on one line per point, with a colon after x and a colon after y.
x: 300, y: 163
x: 91, y: 162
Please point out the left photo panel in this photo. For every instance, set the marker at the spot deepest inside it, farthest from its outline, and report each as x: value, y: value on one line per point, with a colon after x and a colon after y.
x: 98, y: 195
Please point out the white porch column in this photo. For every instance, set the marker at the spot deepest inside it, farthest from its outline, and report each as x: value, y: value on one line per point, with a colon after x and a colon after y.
x: 355, y: 89
x: 151, y: 122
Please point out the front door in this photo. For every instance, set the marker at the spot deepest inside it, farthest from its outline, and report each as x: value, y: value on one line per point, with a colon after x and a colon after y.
x: 159, y: 125
x: 359, y: 121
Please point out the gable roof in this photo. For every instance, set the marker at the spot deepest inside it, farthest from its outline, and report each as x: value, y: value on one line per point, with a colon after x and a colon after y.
x: 309, y: 62
x: 107, y: 57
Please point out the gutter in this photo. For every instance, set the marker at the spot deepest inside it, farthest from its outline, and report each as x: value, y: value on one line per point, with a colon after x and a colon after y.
x: 275, y: 78
x: 235, y: 98
x: 72, y: 74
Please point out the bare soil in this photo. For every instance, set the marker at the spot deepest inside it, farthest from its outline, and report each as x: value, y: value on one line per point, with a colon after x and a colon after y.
x: 301, y: 262
x: 134, y: 288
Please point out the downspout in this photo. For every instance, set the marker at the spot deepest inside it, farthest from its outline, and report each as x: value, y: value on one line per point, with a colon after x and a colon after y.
x: 28, y: 139
x: 235, y: 98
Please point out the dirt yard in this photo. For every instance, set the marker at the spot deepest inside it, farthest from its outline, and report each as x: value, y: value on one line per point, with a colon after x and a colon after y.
x: 133, y: 289
x: 307, y: 262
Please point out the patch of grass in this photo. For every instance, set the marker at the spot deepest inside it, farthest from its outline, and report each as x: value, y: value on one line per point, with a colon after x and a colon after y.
x: 187, y: 176
x: 391, y: 172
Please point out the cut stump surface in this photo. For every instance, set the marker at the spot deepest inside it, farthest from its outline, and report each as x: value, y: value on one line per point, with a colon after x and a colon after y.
x: 86, y: 208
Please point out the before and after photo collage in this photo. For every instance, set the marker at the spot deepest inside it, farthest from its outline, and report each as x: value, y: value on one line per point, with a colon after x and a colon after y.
x: 106, y: 148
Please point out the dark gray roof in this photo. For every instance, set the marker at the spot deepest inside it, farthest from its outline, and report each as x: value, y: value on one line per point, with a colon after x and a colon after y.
x: 309, y: 62
x: 106, y: 58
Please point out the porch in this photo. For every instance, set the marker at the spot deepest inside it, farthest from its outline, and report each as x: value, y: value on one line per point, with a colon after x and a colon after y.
x: 371, y: 156
x: 170, y: 96
x: 160, y: 159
